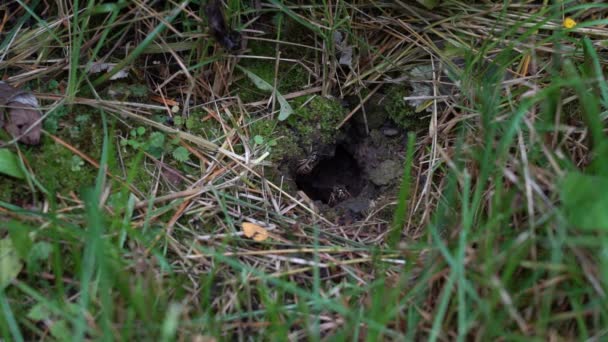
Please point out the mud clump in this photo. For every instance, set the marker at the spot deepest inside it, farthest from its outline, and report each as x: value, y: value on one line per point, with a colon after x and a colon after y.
x: 385, y: 173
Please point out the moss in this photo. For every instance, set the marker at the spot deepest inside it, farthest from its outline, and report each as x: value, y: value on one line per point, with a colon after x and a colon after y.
x: 201, y: 124
x: 310, y: 126
x: 278, y: 137
x: 291, y: 77
x: 260, y: 48
x: 399, y: 111
x: 287, y: 147
x: 54, y: 166
x: 294, y: 32
x: 58, y: 170
x: 14, y: 190
x: 315, y: 123
x: 375, y: 112
x: 264, y: 127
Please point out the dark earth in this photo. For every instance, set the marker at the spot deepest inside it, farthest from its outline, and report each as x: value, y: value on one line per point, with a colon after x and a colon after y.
x: 367, y: 165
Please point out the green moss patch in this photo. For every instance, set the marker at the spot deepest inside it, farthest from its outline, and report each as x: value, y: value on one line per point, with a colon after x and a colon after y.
x: 290, y: 77
x: 315, y: 121
x: 400, y: 111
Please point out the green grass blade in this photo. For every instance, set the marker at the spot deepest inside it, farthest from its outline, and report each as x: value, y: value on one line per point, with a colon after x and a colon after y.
x: 404, y: 194
x: 9, y: 318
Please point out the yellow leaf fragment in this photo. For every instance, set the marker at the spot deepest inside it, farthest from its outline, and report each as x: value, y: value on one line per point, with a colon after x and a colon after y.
x: 255, y: 232
x: 569, y: 23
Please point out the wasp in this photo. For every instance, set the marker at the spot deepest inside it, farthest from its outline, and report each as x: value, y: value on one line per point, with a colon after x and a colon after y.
x: 339, y: 193
x: 306, y: 165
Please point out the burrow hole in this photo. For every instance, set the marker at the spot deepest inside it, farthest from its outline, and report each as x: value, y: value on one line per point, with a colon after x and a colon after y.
x: 339, y: 170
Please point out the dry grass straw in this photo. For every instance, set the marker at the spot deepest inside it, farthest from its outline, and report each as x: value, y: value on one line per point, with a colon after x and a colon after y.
x: 204, y: 212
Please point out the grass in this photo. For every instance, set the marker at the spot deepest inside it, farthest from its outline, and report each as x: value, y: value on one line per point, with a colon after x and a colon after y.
x: 498, y: 230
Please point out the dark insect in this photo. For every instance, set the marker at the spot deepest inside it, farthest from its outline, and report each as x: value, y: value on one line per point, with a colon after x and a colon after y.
x: 306, y: 165
x: 339, y: 193
x: 229, y: 39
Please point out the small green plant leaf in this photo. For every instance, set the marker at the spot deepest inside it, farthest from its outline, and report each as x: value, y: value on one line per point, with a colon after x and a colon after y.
x: 51, y: 123
x: 39, y: 312
x: 157, y: 139
x: 178, y: 121
x: 190, y: 122
x: 181, y: 154
x: 37, y: 256
x: 10, y: 266
x: 83, y: 119
x: 257, y: 80
x: 76, y: 164
x: 584, y: 206
x: 258, y: 139
x: 133, y: 143
x: 53, y: 84
x: 9, y: 164
x: 61, y: 331
x: 40, y: 251
x: 20, y: 237
x: 141, y: 130
x: 286, y: 109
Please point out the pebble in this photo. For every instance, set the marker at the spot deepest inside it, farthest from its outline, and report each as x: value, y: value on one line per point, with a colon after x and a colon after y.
x: 390, y: 132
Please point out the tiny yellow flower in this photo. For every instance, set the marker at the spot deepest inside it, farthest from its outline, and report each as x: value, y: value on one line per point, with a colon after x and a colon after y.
x: 569, y: 23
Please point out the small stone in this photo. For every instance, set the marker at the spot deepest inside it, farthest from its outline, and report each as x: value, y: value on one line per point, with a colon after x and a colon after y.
x: 385, y: 173
x: 356, y: 204
x: 390, y: 132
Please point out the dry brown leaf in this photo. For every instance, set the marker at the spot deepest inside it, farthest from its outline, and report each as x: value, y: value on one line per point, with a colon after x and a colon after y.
x: 23, y: 115
x: 173, y: 176
x: 165, y: 101
x: 97, y: 67
x: 255, y: 232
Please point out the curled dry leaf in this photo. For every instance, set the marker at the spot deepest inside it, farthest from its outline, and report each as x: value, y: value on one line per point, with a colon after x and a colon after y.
x: 173, y: 176
x: 97, y: 67
x: 343, y: 48
x: 255, y: 232
x: 19, y: 114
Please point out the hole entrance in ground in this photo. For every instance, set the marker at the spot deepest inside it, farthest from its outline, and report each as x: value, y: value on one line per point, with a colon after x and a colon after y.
x: 331, y: 174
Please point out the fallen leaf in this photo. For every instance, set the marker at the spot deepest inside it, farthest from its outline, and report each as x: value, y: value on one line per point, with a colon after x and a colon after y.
x: 97, y: 67
x: 255, y: 232
x: 9, y: 164
x: 286, y: 109
x: 10, y: 266
x: 173, y: 176
x: 39, y: 312
x: 23, y: 117
x: 345, y: 50
x: 583, y: 205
